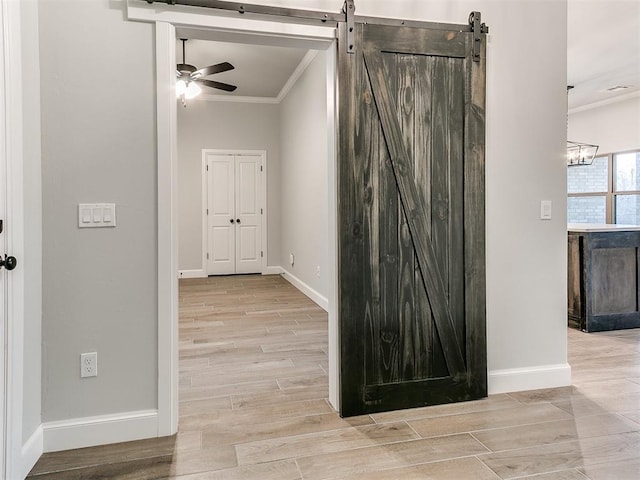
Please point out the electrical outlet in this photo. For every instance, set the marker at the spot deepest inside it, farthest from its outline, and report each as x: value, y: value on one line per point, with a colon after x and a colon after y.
x: 291, y: 259
x: 89, y: 364
x: 318, y: 271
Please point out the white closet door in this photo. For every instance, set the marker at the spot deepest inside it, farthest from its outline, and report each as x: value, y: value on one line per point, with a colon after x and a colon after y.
x: 221, y: 217
x: 234, y: 219
x: 248, y: 214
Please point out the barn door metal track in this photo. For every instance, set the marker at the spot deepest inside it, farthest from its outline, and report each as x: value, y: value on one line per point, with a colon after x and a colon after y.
x: 243, y: 8
x: 347, y: 15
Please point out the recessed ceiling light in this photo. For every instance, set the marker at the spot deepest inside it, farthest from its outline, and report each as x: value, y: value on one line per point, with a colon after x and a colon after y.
x: 618, y: 88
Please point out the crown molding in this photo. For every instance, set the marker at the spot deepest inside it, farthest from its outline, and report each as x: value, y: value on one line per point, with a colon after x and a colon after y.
x: 602, y: 103
x: 302, y: 66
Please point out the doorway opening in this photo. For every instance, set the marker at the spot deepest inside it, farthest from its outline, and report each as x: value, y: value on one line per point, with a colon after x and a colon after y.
x: 467, y: 57
x: 298, y: 186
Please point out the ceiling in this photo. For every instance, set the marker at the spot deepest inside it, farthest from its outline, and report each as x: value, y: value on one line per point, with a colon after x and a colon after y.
x: 603, y: 51
x: 260, y: 71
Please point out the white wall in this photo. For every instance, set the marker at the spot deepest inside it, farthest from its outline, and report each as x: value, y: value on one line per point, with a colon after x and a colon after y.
x: 223, y: 125
x: 614, y: 127
x: 98, y: 145
x: 304, y: 193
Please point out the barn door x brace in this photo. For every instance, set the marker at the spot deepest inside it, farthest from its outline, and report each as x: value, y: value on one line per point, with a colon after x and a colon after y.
x: 347, y: 15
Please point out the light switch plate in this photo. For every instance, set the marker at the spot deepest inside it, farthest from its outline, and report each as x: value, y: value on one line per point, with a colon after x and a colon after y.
x: 545, y: 210
x: 93, y: 215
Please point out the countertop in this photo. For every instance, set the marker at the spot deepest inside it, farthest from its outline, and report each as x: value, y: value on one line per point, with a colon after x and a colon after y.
x: 601, y: 227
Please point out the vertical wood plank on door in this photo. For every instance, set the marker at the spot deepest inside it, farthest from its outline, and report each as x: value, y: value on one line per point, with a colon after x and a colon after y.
x: 369, y: 136
x: 427, y: 343
x: 389, y: 248
x: 440, y: 169
x: 405, y: 102
x: 474, y: 220
x: 455, y: 261
x: 350, y: 234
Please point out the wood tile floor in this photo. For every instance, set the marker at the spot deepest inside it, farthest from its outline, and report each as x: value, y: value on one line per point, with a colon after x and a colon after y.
x: 253, y: 389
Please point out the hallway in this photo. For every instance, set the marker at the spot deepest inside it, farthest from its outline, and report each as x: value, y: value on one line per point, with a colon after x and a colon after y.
x: 253, y: 389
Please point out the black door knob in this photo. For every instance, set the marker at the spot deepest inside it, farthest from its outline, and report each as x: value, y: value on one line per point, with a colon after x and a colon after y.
x: 232, y: 220
x: 237, y: 220
x: 9, y: 262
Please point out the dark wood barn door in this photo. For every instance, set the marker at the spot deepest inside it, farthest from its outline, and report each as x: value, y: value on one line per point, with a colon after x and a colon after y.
x: 411, y: 218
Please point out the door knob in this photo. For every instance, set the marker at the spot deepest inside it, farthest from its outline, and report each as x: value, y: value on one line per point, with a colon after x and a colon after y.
x: 231, y: 221
x: 9, y: 262
x: 237, y: 220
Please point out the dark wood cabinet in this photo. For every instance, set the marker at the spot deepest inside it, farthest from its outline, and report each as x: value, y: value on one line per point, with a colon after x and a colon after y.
x: 603, y: 277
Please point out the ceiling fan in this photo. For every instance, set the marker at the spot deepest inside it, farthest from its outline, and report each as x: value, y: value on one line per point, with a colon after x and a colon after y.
x: 189, y: 78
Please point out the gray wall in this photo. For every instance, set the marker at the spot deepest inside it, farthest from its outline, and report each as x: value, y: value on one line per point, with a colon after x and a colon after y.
x: 98, y: 142
x: 295, y: 137
x: 99, y: 145
x: 303, y: 140
x: 223, y: 125
x: 32, y: 257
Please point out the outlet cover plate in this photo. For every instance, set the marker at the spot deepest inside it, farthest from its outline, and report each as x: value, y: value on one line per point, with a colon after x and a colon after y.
x: 89, y: 364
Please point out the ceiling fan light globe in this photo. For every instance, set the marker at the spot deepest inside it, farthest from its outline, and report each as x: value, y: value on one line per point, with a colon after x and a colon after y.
x: 181, y: 87
x: 192, y: 90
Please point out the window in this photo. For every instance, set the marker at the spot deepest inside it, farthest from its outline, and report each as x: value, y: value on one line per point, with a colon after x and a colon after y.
x: 626, y: 183
x: 607, y: 191
x: 588, y: 187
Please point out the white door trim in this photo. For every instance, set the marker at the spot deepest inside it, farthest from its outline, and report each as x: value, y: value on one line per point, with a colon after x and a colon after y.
x: 205, y: 197
x: 4, y: 154
x: 333, y: 351
x: 230, y: 27
x: 12, y: 158
x: 18, y: 454
x: 304, y: 36
x: 167, y: 230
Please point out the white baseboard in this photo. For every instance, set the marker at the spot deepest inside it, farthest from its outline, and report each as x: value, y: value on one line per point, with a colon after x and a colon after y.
x: 534, y: 378
x: 272, y: 271
x: 31, y: 452
x: 100, y: 430
x: 306, y: 289
x: 192, y: 273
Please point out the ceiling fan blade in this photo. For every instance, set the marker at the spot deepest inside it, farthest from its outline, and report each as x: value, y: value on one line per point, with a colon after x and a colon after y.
x: 220, y: 86
x: 211, y: 69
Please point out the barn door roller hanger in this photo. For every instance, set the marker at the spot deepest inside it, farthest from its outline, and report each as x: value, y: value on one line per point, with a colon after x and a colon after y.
x: 347, y: 15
